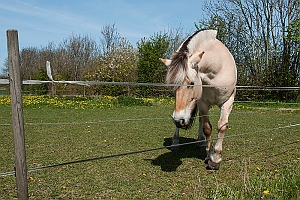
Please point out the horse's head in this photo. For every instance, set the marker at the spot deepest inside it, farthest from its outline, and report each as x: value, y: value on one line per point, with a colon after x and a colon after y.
x: 183, y: 70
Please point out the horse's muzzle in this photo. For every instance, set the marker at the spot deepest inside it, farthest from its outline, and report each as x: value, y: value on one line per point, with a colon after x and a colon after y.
x: 180, y: 123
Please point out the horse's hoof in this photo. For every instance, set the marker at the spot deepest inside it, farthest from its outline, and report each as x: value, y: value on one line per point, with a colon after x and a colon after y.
x: 212, y: 165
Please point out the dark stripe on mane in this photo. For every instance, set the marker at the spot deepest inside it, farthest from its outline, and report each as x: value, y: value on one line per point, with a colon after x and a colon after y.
x: 186, y: 42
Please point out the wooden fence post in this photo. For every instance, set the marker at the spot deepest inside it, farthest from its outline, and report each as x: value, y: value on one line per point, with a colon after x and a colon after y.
x: 17, y: 113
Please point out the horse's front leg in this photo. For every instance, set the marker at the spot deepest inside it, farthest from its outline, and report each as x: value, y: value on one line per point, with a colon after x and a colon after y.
x: 215, y: 157
x: 175, y: 140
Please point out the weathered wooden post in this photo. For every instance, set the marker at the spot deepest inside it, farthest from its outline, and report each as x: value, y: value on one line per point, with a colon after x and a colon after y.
x: 17, y: 113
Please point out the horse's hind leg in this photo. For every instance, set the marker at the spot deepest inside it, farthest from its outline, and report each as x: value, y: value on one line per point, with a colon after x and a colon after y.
x: 205, y: 129
x: 215, y: 157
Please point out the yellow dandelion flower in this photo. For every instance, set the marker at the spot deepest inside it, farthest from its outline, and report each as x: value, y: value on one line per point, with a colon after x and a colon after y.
x: 257, y: 169
x: 31, y: 178
x: 144, y: 174
x: 276, y: 170
x: 104, y: 141
x: 266, y: 191
x: 115, y: 138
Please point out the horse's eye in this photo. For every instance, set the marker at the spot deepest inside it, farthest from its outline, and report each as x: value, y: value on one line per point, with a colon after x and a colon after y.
x: 191, y: 84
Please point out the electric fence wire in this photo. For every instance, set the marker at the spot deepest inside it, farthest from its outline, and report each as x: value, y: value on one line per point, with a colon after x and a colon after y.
x: 117, y: 120
x: 145, y: 150
x: 88, y: 83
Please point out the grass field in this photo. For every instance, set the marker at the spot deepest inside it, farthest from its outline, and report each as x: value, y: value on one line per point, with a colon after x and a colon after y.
x: 261, y: 158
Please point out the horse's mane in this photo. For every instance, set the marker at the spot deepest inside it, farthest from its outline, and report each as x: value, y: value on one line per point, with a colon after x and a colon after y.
x: 178, y: 69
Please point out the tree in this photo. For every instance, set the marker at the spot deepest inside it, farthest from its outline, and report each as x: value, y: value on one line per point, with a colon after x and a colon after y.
x: 150, y: 68
x: 175, y: 37
x: 69, y: 60
x: 117, y: 65
x: 293, y: 31
x: 117, y: 62
x: 29, y: 62
x: 5, y: 69
x: 40, y: 89
x: 110, y: 39
x: 78, y: 52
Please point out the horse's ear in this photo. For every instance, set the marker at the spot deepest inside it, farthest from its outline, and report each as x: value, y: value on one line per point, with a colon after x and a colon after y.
x: 201, y: 54
x: 196, y: 59
x: 166, y: 61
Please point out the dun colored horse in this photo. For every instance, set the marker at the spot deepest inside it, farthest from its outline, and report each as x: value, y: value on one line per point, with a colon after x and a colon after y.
x: 206, y: 75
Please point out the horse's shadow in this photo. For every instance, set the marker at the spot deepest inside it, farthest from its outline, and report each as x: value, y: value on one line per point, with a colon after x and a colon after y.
x: 170, y: 161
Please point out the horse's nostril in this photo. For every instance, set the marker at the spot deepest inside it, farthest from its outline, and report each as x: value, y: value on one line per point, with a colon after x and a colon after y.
x: 182, y: 122
x: 179, y: 122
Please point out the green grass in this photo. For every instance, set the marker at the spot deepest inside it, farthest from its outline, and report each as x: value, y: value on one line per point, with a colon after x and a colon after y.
x: 263, y: 163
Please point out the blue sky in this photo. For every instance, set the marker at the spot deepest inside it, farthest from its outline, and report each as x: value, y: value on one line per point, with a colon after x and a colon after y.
x: 39, y: 21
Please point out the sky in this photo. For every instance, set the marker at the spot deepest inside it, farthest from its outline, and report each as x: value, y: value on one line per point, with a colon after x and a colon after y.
x: 39, y: 22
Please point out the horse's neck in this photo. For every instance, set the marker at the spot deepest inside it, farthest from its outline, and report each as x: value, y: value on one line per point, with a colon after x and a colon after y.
x: 217, y: 65
x: 201, y: 40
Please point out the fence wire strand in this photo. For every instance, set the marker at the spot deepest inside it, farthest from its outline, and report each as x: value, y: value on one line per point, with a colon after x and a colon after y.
x: 130, y: 119
x: 89, y: 83
x: 146, y: 150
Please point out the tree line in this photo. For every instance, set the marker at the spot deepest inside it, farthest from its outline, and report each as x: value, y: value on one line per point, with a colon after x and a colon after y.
x: 262, y: 35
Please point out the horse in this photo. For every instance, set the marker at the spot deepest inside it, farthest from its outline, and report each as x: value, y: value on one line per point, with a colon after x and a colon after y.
x: 205, y: 74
